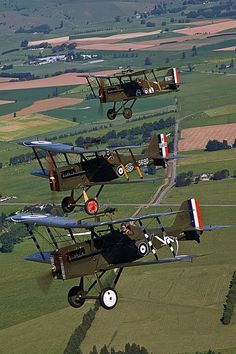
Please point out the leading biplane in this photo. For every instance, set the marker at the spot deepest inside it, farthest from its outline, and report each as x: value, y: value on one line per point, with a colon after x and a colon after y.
x: 98, y: 167
x: 128, y: 86
x: 110, y: 247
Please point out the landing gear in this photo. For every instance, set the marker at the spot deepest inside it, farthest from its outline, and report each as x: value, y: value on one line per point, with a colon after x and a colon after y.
x: 91, y: 206
x: 68, y: 204
x: 127, y: 113
x: 111, y: 114
x: 108, y: 298
x: 76, y: 297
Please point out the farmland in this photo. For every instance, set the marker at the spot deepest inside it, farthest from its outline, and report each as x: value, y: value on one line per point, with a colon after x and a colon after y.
x: 172, y: 308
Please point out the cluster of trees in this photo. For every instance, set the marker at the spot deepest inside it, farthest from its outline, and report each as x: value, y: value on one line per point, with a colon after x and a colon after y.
x: 214, y: 145
x: 44, y: 28
x: 129, y: 349
x: 230, y: 301
x: 29, y: 156
x: 222, y: 174
x: 184, y: 179
x: 130, y: 136
x: 14, y: 234
x: 20, y: 76
x: 219, y: 10
x: 76, y: 339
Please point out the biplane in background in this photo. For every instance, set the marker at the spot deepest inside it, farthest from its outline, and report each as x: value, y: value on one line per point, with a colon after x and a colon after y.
x: 131, y: 85
x: 95, y: 167
x: 111, y: 247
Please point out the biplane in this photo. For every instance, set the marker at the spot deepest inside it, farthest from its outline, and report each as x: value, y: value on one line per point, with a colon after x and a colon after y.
x: 109, y: 247
x: 95, y: 167
x: 128, y: 86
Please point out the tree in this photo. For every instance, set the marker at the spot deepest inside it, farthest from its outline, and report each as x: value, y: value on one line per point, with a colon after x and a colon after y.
x: 184, y: 179
x: 194, y: 50
x: 24, y: 43
x: 147, y: 61
x: 183, y: 55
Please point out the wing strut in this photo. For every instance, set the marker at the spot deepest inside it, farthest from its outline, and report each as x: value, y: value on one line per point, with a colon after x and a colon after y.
x: 30, y: 231
x: 167, y: 240
x: 148, y: 240
x: 119, y: 159
x: 72, y: 235
x: 136, y: 164
x: 39, y: 161
x: 52, y: 237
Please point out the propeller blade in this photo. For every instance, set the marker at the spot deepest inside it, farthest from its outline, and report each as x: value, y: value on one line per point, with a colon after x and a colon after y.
x: 44, y: 282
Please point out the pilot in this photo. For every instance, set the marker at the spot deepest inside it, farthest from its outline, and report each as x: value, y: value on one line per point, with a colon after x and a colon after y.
x: 126, y: 229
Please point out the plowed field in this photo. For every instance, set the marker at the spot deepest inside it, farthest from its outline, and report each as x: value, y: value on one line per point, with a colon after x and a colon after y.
x: 197, y: 138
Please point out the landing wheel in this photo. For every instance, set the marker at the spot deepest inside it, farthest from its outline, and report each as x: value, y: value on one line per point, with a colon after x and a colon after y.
x: 108, y: 298
x: 67, y: 204
x: 76, y: 297
x: 111, y: 114
x: 127, y: 113
x: 91, y: 206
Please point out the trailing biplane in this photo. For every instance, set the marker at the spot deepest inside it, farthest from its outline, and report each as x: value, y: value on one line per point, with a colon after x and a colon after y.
x: 128, y: 86
x: 110, y: 247
x: 95, y: 167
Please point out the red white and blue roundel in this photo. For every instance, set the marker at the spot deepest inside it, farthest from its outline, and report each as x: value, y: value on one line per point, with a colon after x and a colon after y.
x: 195, y: 212
x: 120, y: 171
x: 163, y: 146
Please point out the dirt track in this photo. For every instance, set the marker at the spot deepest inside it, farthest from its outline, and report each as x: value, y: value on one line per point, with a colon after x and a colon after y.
x: 197, y: 138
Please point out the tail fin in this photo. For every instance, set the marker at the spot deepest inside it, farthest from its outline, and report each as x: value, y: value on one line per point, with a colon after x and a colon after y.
x: 158, y: 149
x: 172, y: 78
x: 189, y: 222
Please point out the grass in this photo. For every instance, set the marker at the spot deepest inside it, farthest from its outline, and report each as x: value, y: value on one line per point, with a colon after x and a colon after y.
x: 30, y: 125
x: 203, y: 161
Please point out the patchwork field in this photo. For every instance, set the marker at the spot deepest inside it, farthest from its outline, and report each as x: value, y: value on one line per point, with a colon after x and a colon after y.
x: 44, y: 105
x: 200, y: 31
x: 60, y: 80
x: 197, y: 138
x: 208, y: 29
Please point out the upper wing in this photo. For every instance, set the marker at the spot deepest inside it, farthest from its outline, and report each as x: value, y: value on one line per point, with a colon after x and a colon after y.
x: 68, y: 223
x: 70, y: 149
x: 125, y: 73
x: 44, y: 220
x: 53, y: 147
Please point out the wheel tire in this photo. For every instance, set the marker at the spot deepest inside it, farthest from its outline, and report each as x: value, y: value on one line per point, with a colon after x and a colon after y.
x: 75, y: 297
x: 127, y: 113
x: 111, y: 114
x: 67, y: 204
x: 91, y: 206
x: 108, y: 298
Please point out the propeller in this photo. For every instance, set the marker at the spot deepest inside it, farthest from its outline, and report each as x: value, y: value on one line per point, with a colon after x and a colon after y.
x: 101, y: 96
x: 52, y: 179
